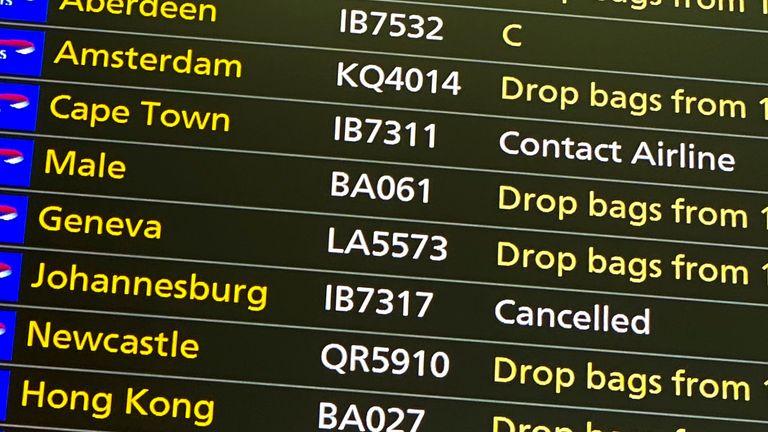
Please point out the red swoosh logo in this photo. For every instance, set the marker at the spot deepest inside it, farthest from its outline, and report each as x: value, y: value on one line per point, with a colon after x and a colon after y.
x: 8, y: 213
x: 21, y: 46
x: 5, y: 270
x: 16, y: 101
x: 11, y: 157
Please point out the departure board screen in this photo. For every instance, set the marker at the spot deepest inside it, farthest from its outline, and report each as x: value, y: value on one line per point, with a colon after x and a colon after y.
x: 384, y: 215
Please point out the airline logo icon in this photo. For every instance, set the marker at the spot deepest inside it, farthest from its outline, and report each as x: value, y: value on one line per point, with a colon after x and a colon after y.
x: 7, y: 333
x: 21, y: 52
x: 13, y: 218
x: 24, y: 10
x: 22, y: 47
x: 12, y: 157
x: 16, y: 162
x: 8, y: 213
x: 18, y: 106
x: 15, y: 101
x: 10, y: 276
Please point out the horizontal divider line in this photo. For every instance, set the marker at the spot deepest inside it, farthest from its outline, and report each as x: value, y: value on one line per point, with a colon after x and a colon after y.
x: 376, y: 275
x: 383, y: 107
x: 381, y: 393
x: 384, y: 162
x: 383, y: 334
x: 402, y: 54
x: 383, y: 218
x: 578, y: 16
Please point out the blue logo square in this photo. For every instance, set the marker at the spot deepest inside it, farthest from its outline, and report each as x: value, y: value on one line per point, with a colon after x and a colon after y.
x: 21, y: 52
x: 5, y: 385
x: 10, y: 276
x: 7, y: 334
x: 18, y: 106
x: 13, y: 218
x: 24, y: 10
x: 16, y: 162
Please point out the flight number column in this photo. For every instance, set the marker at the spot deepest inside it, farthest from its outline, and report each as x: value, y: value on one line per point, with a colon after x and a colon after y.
x: 418, y: 247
